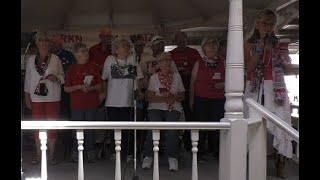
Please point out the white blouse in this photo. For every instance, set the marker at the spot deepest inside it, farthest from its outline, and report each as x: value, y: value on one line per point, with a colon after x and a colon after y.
x: 32, y: 78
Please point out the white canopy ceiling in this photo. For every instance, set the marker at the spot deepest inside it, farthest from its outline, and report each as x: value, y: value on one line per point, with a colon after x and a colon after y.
x: 141, y: 15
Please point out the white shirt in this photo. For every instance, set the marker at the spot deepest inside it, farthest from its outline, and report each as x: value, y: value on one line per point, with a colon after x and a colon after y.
x: 148, y: 66
x: 176, y: 87
x: 32, y: 78
x: 119, y: 92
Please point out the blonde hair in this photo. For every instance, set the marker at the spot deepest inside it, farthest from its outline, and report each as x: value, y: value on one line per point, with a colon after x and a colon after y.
x: 263, y: 13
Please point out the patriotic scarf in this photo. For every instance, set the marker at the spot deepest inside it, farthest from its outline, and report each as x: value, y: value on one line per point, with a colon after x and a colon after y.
x: 166, y: 81
x: 41, y: 68
x: 279, y: 56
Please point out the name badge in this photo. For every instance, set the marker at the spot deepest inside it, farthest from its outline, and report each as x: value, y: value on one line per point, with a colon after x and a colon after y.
x: 216, y: 76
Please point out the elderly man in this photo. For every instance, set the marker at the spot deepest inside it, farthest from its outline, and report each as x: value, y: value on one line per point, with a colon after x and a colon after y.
x: 185, y: 57
x: 98, y: 53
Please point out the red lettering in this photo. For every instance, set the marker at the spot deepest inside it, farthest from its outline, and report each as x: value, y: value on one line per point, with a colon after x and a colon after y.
x: 78, y: 38
x: 64, y: 37
x: 70, y: 39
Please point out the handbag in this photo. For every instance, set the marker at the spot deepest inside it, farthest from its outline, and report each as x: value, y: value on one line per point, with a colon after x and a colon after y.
x: 41, y: 89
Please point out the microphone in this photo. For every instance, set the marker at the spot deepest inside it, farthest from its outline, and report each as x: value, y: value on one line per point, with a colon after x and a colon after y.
x: 266, y: 38
x: 34, y: 33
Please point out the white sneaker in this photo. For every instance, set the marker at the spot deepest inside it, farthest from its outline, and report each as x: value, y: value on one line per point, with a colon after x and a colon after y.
x: 173, y: 164
x: 147, y: 162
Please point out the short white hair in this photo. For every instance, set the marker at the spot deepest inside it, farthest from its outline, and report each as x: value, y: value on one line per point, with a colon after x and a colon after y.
x: 119, y: 41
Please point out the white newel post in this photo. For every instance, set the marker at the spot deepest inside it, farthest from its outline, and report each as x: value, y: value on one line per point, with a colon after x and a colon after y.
x: 80, y: 138
x: 257, y: 140
x: 156, y: 139
x: 234, y: 141
x: 43, y: 144
x: 194, y: 140
x: 117, y: 138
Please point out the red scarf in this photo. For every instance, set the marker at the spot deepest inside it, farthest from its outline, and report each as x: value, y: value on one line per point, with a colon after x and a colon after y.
x: 166, y: 81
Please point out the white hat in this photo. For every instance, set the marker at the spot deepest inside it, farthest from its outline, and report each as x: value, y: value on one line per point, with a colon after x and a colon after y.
x: 157, y: 39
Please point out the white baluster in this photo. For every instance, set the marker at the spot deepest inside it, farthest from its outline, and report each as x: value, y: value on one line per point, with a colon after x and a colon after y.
x: 156, y: 138
x: 80, y: 138
x: 117, y: 138
x: 43, y: 142
x: 194, y: 139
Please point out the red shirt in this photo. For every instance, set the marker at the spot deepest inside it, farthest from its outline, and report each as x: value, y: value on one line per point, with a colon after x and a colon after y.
x: 207, y: 78
x: 75, y: 75
x: 184, y: 61
x: 98, y: 56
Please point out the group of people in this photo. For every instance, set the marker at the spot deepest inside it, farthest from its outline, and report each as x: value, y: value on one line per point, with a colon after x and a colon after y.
x: 165, y: 84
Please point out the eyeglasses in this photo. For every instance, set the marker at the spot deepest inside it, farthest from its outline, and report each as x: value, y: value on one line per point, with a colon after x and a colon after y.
x: 265, y: 24
x: 212, y: 42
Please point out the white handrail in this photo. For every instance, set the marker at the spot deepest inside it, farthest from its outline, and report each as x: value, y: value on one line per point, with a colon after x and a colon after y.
x: 123, y: 125
x: 273, y: 118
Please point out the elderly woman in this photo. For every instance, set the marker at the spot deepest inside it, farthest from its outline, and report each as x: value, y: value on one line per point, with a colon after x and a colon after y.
x: 44, y: 75
x: 83, y: 82
x: 207, y: 93
x: 165, y: 93
x: 121, y: 74
x: 266, y: 61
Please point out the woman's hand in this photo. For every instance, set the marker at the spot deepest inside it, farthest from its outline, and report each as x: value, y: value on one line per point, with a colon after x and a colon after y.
x: 52, y: 78
x: 28, y: 102
x: 102, y: 97
x: 171, y: 98
x: 219, y: 85
x: 85, y: 88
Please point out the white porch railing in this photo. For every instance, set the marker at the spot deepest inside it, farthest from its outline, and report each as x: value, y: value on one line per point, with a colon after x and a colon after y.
x: 257, y: 138
x: 234, y: 131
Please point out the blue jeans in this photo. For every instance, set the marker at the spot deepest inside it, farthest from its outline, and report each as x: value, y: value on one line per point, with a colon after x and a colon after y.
x: 172, y: 136
x: 89, y: 135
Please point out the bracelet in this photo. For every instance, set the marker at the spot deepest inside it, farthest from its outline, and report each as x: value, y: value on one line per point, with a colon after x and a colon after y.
x: 259, y: 50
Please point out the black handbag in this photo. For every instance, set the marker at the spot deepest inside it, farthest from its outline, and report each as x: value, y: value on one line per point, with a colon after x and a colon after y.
x: 41, y: 89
